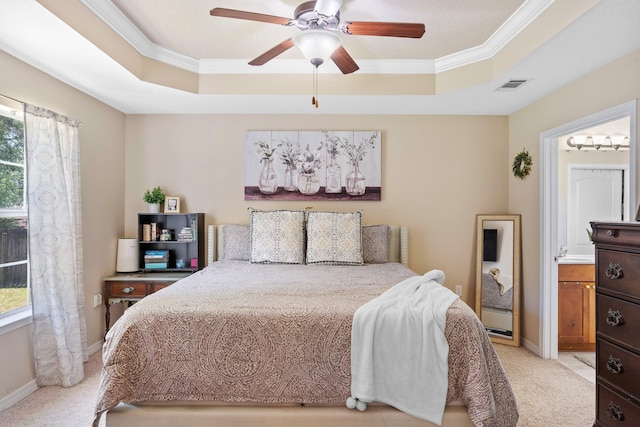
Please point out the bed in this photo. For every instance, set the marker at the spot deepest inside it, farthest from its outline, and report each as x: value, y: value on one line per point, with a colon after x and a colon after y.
x: 497, y: 305
x: 264, y: 343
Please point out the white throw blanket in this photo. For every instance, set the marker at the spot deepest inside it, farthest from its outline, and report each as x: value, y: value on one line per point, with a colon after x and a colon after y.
x: 399, y: 353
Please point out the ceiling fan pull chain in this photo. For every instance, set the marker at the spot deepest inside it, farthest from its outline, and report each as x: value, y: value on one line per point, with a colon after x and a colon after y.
x: 314, y: 98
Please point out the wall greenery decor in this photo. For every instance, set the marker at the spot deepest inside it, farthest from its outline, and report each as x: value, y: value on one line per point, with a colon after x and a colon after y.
x: 522, y: 164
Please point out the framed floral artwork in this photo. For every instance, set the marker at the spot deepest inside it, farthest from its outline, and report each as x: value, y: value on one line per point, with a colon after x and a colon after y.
x: 312, y: 165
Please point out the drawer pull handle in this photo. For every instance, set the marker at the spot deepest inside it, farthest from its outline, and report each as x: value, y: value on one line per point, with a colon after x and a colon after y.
x: 614, y: 365
x: 615, y: 412
x: 128, y: 290
x: 614, y: 271
x: 614, y: 318
x: 611, y: 233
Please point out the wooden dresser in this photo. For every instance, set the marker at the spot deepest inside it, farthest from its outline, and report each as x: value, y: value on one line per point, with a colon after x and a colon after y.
x: 617, y: 323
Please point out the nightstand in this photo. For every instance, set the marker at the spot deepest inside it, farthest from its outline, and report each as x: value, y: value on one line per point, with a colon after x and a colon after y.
x: 132, y: 287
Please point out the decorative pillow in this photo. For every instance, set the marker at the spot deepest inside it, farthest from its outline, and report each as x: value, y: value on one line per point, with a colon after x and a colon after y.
x: 277, y: 236
x: 334, y: 238
x: 375, y: 243
x: 236, y: 242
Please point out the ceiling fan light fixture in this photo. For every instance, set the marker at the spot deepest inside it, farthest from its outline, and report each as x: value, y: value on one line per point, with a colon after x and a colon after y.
x: 317, y: 45
x: 327, y: 7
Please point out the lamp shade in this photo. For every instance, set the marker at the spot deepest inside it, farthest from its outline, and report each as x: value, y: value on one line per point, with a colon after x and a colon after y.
x: 127, y: 258
x: 317, y: 45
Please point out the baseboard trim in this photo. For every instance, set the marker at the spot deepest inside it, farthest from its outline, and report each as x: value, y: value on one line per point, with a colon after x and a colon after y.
x: 531, y: 347
x: 18, y: 395
x: 94, y: 348
x: 32, y: 386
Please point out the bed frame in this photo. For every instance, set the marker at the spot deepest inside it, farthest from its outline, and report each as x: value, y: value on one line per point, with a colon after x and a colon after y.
x: 196, y: 414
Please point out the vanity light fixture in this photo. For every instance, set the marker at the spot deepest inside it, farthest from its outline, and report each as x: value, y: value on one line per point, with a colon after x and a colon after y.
x: 598, y: 142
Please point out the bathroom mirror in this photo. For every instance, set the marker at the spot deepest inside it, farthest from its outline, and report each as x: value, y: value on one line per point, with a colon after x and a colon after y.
x: 498, y: 270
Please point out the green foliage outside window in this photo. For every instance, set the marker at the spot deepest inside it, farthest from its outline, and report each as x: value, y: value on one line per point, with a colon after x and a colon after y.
x: 14, y: 288
x: 11, y: 163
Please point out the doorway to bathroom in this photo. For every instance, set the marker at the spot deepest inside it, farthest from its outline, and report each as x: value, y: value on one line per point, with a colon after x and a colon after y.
x: 555, y: 145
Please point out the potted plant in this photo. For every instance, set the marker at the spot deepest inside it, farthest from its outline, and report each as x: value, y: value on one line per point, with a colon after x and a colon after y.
x: 154, y: 197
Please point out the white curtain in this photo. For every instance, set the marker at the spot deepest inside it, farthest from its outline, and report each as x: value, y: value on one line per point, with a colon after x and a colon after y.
x: 55, y: 247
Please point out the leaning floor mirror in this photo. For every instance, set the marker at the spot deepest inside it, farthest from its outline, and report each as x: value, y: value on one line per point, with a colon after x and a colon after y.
x: 498, y: 276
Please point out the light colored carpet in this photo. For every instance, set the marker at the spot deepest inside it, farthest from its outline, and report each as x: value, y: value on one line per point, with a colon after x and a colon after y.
x: 548, y: 395
x: 547, y: 392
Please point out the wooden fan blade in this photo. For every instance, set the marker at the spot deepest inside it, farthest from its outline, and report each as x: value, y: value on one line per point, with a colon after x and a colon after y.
x: 344, y: 61
x: 250, y: 16
x: 389, y: 29
x: 273, y: 52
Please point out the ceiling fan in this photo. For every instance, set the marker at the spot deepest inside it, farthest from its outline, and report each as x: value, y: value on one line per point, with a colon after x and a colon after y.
x: 322, y: 19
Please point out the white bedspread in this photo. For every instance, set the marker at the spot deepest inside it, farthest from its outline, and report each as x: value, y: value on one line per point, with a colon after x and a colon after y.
x: 398, y: 348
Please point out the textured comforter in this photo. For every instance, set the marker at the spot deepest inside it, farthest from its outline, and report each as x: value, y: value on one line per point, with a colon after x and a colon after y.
x: 268, y: 334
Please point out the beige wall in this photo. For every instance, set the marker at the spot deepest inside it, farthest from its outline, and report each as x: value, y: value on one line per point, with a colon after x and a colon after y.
x: 102, y: 155
x: 438, y: 172
x: 612, y: 85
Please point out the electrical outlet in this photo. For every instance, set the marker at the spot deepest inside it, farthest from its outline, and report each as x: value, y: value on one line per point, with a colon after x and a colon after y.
x: 459, y: 290
x: 97, y: 300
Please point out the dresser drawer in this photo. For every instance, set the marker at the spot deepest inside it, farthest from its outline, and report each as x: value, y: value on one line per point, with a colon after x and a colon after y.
x: 128, y: 289
x: 156, y: 286
x: 615, y: 410
x: 619, y: 272
x: 620, y: 367
x: 618, y: 320
x: 617, y: 234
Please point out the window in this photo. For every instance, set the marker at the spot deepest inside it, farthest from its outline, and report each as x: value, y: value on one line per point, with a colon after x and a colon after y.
x: 14, y: 262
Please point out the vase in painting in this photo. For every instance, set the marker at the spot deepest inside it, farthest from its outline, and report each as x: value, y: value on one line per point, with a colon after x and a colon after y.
x: 333, y: 183
x: 291, y: 179
x: 267, y: 181
x: 355, y: 181
x: 308, y: 183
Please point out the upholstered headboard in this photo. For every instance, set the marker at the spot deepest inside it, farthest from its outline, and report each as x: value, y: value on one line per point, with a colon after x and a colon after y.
x: 398, y: 243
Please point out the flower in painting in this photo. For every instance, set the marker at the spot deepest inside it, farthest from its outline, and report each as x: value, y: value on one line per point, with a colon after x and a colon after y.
x: 289, y: 152
x: 333, y: 145
x: 309, y: 161
x: 356, y: 152
x: 265, y: 151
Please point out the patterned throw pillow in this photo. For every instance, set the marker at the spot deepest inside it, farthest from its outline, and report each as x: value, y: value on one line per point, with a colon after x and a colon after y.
x: 334, y: 238
x: 236, y: 242
x: 375, y: 243
x: 277, y: 237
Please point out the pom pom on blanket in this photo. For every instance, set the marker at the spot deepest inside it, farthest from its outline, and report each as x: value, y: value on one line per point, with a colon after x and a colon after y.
x: 353, y: 403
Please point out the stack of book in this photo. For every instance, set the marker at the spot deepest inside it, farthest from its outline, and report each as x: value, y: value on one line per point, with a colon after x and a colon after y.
x: 156, y: 258
x: 185, y: 235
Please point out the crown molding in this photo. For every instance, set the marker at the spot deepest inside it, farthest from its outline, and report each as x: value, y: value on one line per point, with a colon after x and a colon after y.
x: 525, y: 15
x: 119, y: 23
x: 302, y: 66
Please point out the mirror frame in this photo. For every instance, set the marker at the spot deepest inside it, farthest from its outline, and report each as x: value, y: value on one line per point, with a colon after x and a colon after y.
x: 517, y: 274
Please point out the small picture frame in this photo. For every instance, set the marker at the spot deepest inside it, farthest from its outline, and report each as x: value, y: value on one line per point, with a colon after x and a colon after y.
x: 172, y: 204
